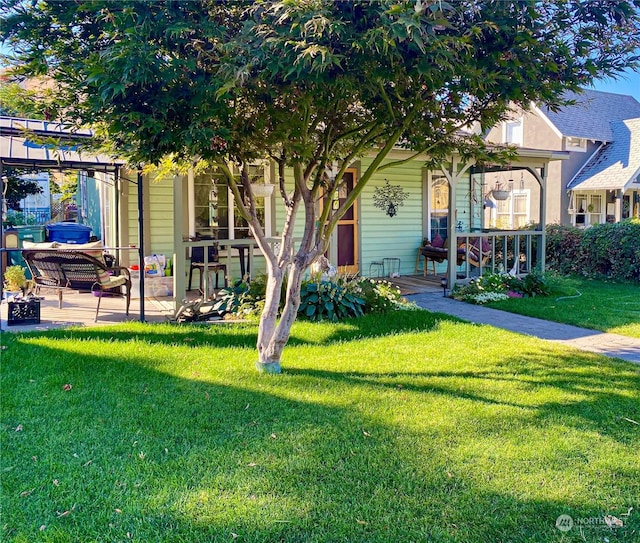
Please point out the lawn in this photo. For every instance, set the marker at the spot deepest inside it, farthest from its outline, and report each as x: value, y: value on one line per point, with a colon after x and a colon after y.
x: 601, y: 305
x: 407, y: 427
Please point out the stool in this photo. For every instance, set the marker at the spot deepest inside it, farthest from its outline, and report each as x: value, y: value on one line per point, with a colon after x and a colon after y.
x: 376, y: 266
x: 393, y: 265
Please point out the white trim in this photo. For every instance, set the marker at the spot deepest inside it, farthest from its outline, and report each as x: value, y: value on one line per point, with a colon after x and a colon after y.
x: 633, y: 180
x: 581, y: 148
x: 586, y: 162
x: 546, y: 119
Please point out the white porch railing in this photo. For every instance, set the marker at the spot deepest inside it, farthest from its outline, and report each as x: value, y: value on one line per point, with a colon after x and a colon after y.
x: 515, y: 251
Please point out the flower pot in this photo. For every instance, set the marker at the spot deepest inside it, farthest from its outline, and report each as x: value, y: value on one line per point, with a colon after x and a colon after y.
x: 500, y: 194
x: 262, y: 191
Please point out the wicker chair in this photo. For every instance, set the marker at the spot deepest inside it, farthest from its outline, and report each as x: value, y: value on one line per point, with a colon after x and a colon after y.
x: 77, y: 270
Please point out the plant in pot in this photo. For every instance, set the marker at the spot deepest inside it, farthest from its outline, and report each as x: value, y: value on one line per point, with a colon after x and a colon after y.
x: 14, y: 280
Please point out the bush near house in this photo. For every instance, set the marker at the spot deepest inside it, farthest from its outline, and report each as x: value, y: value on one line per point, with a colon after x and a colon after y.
x: 494, y: 287
x: 332, y: 300
x: 601, y: 251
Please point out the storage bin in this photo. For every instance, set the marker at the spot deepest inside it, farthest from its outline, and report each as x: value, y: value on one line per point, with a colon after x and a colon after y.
x: 68, y: 232
x: 30, y: 233
x: 154, y: 286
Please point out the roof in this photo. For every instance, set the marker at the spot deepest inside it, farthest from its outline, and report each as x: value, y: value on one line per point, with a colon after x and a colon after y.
x: 63, y: 149
x: 591, y: 116
x: 616, y: 164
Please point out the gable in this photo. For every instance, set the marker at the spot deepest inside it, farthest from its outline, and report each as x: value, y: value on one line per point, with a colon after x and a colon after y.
x: 616, y: 164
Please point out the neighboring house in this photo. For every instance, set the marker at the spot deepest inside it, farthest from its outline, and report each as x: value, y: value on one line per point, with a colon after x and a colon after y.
x: 599, y: 181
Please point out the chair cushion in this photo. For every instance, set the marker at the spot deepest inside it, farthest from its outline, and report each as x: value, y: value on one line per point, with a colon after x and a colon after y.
x: 39, y: 245
x: 113, y: 281
x: 438, y: 241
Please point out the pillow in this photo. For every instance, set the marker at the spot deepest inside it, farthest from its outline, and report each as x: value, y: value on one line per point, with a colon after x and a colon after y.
x: 43, y: 245
x: 486, y: 246
x: 437, y: 241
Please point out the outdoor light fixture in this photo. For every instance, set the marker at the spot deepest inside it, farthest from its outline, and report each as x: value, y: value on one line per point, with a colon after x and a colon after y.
x: 389, y: 198
x: 444, y: 284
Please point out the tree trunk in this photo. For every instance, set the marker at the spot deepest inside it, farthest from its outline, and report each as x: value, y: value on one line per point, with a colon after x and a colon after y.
x: 273, y: 334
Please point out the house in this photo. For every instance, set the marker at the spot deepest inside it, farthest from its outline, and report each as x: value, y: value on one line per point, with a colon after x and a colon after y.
x: 448, y: 202
x: 145, y: 215
x: 599, y: 180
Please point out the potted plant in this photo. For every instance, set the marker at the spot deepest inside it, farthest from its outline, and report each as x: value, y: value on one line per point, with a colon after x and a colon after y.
x: 14, y: 280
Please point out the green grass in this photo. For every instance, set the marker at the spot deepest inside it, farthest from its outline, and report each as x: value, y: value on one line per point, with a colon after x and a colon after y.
x: 407, y: 427
x: 600, y: 305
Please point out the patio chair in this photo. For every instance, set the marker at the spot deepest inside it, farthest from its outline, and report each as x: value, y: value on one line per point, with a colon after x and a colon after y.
x: 436, y: 251
x: 63, y: 269
x: 213, y: 265
x: 478, y: 252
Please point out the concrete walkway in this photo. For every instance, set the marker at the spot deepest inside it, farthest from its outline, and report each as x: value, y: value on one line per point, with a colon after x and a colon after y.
x: 613, y: 345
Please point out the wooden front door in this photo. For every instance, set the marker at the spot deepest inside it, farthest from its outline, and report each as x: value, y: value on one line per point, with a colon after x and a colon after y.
x: 346, y: 236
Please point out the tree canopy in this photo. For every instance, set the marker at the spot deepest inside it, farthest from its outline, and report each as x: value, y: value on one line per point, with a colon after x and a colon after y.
x: 313, y: 84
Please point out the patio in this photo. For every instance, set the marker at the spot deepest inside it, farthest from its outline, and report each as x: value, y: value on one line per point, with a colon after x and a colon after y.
x: 78, y: 309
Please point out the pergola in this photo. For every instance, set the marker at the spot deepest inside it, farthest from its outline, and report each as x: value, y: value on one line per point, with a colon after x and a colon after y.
x: 44, y: 145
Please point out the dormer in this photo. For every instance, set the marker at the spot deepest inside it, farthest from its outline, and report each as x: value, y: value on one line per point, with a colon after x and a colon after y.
x: 572, y: 143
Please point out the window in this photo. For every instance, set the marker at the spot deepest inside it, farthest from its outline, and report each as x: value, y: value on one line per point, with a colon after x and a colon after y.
x: 513, y: 132
x: 216, y: 213
x: 589, y: 209
x: 439, y: 205
x: 575, y: 144
x: 513, y: 213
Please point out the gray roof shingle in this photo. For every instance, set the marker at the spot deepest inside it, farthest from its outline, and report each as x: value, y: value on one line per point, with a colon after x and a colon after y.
x: 616, y: 163
x: 591, y: 116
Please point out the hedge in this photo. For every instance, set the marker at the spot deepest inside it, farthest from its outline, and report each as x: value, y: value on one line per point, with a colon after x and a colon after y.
x: 601, y: 251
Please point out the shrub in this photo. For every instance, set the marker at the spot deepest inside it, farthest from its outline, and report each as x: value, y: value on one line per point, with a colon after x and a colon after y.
x: 379, y: 296
x: 230, y: 298
x: 609, y: 250
x: 328, y: 300
x: 500, y: 286
x: 563, y: 248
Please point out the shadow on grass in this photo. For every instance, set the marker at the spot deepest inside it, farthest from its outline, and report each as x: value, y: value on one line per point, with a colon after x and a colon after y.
x: 141, y: 454
x: 245, y: 334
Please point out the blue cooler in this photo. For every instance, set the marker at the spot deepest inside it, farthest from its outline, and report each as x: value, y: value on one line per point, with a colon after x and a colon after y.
x: 68, y: 232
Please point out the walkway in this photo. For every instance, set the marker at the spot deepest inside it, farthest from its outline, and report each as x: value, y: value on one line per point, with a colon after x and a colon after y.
x: 581, y: 338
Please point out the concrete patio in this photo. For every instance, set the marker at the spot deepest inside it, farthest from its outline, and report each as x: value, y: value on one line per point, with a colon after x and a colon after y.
x: 79, y: 309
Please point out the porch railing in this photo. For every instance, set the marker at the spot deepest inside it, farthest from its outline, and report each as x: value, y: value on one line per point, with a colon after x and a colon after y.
x: 517, y: 252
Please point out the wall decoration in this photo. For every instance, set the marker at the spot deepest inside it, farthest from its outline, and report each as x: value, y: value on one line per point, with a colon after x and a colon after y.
x: 389, y: 198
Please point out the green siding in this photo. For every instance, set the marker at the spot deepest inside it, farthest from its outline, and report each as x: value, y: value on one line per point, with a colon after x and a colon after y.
x: 400, y: 236
x: 159, y: 216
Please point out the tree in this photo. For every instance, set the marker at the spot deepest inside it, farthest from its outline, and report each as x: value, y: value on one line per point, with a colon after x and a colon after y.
x: 312, y: 84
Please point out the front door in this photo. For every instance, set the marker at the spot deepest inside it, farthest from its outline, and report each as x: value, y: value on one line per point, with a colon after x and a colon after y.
x: 346, y: 236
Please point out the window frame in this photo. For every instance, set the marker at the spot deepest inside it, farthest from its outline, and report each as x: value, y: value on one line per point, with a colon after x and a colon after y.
x: 573, y: 143
x: 508, y: 131
x: 232, y: 215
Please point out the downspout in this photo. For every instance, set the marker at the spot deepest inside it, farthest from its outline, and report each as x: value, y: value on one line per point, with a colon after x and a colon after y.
x: 141, y: 241
x: 116, y: 213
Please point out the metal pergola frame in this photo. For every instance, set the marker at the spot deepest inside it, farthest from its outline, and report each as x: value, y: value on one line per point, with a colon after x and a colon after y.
x: 14, y: 141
